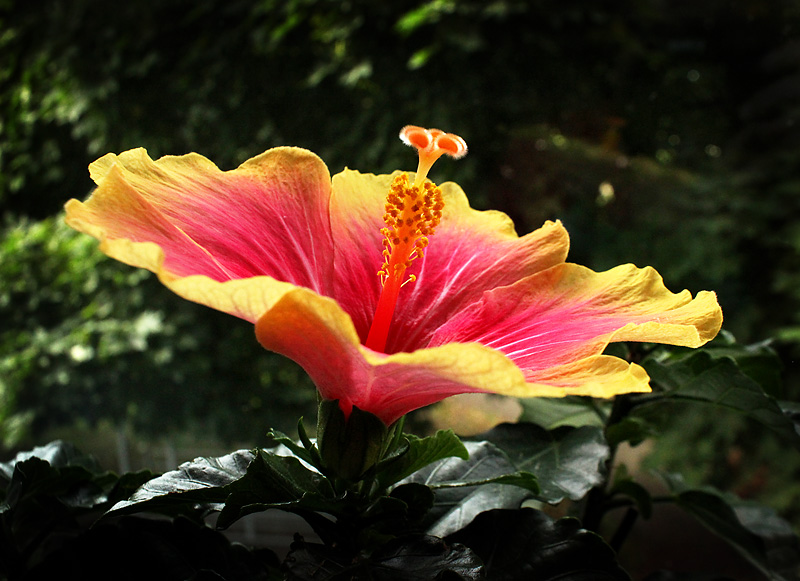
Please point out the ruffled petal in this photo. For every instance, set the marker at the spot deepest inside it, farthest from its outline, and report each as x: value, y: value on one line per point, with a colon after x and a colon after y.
x: 273, y: 243
x: 554, y: 325
x: 471, y: 252
x: 316, y: 333
x: 356, y: 211
x: 267, y: 217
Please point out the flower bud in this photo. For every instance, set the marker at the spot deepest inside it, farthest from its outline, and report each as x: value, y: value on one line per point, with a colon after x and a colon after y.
x: 349, y: 446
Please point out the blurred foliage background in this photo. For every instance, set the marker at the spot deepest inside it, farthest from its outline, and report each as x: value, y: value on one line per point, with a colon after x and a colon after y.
x: 661, y: 133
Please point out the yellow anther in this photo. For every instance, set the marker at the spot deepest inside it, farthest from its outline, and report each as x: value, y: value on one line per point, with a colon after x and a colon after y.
x: 408, y: 225
x: 411, y: 278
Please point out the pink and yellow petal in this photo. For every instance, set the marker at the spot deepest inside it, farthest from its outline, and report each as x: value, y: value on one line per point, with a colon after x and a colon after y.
x: 244, y: 298
x: 601, y: 376
x: 356, y: 216
x: 547, y: 322
x: 267, y: 217
x: 317, y: 334
x: 471, y: 252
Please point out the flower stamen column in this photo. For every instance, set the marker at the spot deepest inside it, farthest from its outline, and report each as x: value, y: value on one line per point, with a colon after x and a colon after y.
x: 412, y: 214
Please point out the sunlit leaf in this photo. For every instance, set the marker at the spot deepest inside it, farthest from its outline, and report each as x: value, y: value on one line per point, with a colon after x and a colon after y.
x: 420, y: 453
x: 552, y: 413
x: 201, y: 481
x: 567, y: 461
x: 276, y: 481
x: 460, y: 489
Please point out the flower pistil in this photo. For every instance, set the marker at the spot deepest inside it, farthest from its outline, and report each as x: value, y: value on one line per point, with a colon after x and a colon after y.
x: 412, y: 213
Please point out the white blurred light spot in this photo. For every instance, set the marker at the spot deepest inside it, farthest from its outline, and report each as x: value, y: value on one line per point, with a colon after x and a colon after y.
x: 605, y: 194
x: 81, y: 353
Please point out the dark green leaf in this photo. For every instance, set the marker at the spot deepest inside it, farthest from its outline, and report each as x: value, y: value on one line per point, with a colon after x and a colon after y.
x: 418, y: 499
x: 423, y: 558
x: 791, y: 410
x: 127, y: 484
x: 552, y: 413
x: 779, y: 540
x: 524, y: 480
x: 527, y: 544
x: 315, y: 562
x: 35, y: 479
x: 756, y: 532
x: 567, y: 461
x: 415, y: 558
x: 201, y: 481
x: 625, y: 485
x: 458, y: 499
x: 47, y: 503
x: 403, y: 510
x: 636, y: 492
x: 420, y: 453
x: 57, y: 454
x: 273, y: 481
x: 281, y: 439
x: 720, y: 381
x: 41, y: 499
x: 758, y: 361
x: 630, y: 429
x: 680, y: 576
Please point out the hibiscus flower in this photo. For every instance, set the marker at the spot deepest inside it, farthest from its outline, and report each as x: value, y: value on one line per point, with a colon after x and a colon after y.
x: 390, y: 291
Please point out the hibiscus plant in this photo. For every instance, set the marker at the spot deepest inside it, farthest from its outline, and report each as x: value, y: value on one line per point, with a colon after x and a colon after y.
x: 393, y: 294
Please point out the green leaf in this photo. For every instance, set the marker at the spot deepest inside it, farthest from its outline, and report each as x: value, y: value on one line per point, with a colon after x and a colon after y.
x: 57, y: 454
x: 275, y: 481
x: 638, y: 493
x: 527, y: 544
x: 418, y: 499
x: 411, y: 558
x: 423, y: 558
x: 53, y: 492
x: 202, y: 481
x: 759, y: 361
x: 281, y: 439
x: 791, y: 409
x: 34, y: 480
x: 460, y: 488
x: 756, y: 532
x: 567, y: 461
x: 420, y: 453
x: 630, y: 429
x: 705, y: 378
x: 403, y: 510
x: 551, y: 413
x: 682, y: 576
